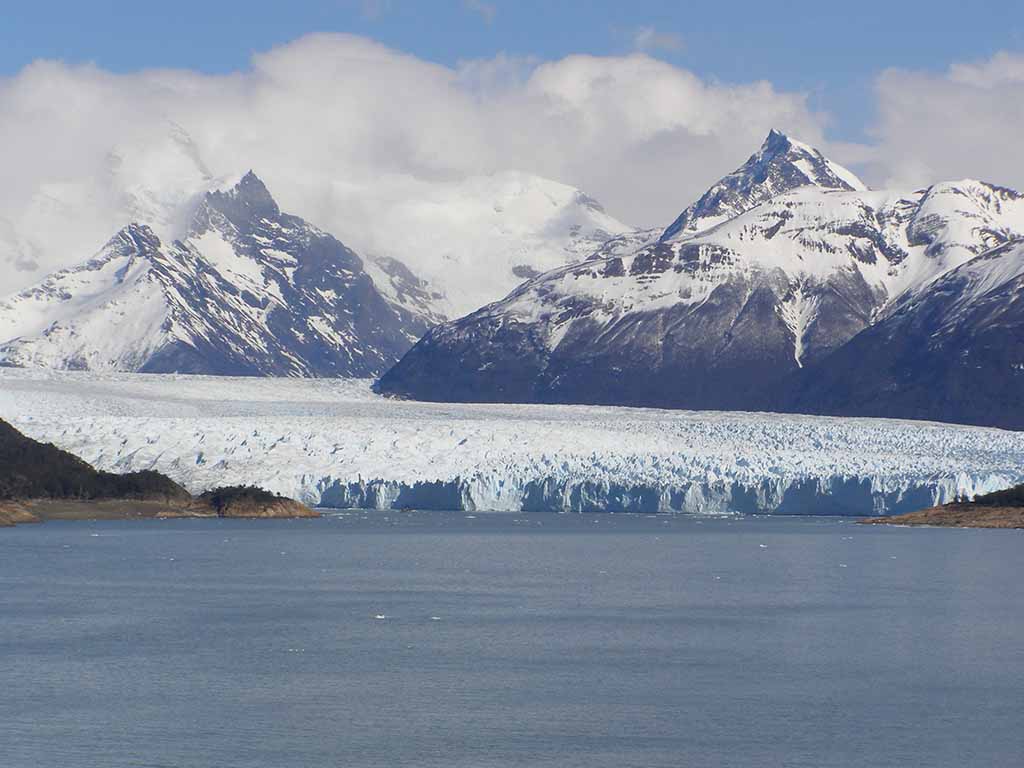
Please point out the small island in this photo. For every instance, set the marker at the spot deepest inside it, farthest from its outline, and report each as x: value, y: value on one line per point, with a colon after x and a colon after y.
x: 1002, y: 509
x: 39, y: 482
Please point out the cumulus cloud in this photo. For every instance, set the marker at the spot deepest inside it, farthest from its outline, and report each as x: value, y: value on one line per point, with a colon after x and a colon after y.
x: 327, y: 119
x: 963, y: 123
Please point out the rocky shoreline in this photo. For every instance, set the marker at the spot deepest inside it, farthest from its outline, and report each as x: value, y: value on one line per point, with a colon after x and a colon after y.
x: 1002, y: 509
x: 957, y: 516
x: 40, y: 510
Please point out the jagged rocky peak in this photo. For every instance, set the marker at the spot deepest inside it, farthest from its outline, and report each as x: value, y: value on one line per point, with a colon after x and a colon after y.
x: 246, y: 202
x: 134, y: 238
x: 777, y: 267
x: 249, y: 290
x: 780, y: 165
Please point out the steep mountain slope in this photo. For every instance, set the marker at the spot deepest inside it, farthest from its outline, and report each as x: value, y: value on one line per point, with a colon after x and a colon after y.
x: 439, y: 247
x: 782, y: 164
x: 716, y: 318
x: 249, y: 291
x: 952, y: 353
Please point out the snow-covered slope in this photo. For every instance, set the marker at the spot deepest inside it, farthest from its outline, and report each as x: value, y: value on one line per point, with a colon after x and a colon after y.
x: 250, y: 290
x: 782, y: 164
x: 333, y: 442
x: 716, y: 318
x: 954, y: 351
x: 468, y: 240
x: 474, y: 240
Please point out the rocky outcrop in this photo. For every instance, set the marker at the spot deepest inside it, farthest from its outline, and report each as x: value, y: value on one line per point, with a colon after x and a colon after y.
x: 12, y: 513
x: 1001, y: 509
x: 251, y: 502
x: 957, y: 516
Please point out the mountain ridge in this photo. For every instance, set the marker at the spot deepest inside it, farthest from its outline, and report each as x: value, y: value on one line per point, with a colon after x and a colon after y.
x: 249, y: 290
x: 722, y: 317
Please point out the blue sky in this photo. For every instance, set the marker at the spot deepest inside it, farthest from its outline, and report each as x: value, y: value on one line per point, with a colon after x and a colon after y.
x: 831, y: 50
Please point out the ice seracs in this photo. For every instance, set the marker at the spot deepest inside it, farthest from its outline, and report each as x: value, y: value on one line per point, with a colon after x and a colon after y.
x: 332, y: 442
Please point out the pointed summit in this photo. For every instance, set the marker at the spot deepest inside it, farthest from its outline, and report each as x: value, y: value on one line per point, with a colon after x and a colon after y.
x: 780, y: 165
x: 251, y: 189
x: 243, y: 205
x: 134, y: 237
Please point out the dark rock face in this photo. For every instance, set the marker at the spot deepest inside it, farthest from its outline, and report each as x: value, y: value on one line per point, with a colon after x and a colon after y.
x: 318, y: 315
x: 725, y: 352
x: 954, y: 353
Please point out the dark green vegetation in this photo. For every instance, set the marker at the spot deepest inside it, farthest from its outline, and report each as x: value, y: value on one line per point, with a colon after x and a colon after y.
x: 1011, y: 497
x: 39, y: 481
x: 34, y: 470
x: 249, y: 501
x: 222, y: 498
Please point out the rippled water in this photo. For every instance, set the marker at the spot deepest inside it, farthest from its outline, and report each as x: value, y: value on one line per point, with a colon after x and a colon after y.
x: 447, y: 640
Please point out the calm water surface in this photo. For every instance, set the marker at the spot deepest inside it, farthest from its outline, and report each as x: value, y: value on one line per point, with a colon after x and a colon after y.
x: 493, y: 641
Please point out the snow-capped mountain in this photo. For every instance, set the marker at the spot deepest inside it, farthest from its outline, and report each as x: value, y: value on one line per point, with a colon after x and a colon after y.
x: 249, y: 290
x: 727, y: 305
x: 473, y: 240
x: 782, y: 164
x: 440, y: 247
x: 953, y: 352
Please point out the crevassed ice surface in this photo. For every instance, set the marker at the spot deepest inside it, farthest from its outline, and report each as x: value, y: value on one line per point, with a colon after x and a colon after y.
x: 334, y: 443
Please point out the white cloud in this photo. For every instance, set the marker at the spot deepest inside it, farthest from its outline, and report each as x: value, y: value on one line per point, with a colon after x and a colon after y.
x: 963, y: 123
x: 336, y: 112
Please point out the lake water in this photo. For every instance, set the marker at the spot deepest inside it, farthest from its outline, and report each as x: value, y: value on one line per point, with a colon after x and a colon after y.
x: 509, y: 640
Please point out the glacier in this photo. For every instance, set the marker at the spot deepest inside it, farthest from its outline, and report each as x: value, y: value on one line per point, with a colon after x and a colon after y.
x: 334, y: 443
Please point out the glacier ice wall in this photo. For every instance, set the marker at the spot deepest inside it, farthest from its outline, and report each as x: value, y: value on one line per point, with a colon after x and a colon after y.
x: 333, y: 443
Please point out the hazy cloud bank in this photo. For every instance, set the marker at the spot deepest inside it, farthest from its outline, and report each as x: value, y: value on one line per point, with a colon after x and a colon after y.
x: 332, y: 120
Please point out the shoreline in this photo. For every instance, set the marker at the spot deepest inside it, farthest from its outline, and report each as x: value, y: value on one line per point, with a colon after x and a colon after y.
x: 956, y: 516
x: 36, y: 511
